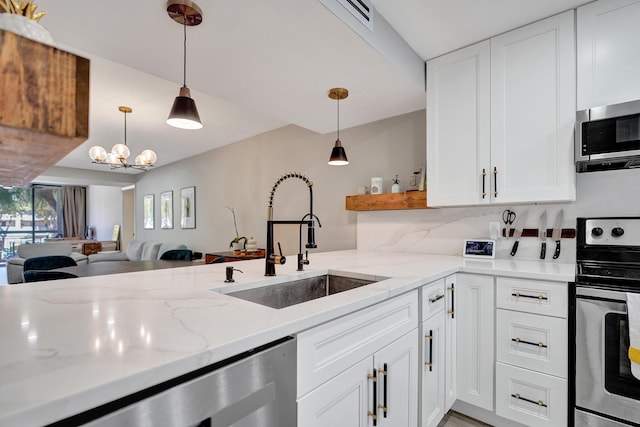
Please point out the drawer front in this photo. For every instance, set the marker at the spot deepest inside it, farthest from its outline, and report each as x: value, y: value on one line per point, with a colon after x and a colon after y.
x: 532, y: 341
x: 432, y: 298
x: 532, y: 296
x: 328, y: 349
x: 529, y: 397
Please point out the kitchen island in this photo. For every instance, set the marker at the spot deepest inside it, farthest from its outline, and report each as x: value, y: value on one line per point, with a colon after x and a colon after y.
x: 71, y: 345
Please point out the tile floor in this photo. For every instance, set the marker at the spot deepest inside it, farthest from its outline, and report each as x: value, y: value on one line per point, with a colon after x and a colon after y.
x: 455, y: 419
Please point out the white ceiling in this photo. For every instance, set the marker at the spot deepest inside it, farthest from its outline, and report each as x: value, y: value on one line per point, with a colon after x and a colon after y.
x: 254, y: 66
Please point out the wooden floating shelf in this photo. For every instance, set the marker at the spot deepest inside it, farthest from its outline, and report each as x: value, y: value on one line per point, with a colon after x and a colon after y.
x: 387, y: 201
x: 567, y: 233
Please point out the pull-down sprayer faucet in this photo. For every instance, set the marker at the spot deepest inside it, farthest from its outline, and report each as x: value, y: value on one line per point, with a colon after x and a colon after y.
x: 271, y: 259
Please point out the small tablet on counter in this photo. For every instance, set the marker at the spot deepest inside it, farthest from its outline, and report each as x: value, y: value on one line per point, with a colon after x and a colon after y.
x: 479, y: 248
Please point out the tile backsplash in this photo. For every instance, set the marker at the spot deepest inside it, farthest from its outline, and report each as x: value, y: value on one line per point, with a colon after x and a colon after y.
x: 443, y: 230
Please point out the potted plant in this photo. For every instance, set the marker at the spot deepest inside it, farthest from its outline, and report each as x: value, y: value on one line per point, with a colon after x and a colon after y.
x: 236, y: 240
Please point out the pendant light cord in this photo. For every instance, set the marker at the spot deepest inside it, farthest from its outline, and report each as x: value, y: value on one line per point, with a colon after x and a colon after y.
x: 184, y: 61
x: 125, y: 127
x: 338, y: 98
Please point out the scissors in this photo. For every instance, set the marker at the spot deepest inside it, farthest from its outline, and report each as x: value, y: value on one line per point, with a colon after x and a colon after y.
x: 508, y: 216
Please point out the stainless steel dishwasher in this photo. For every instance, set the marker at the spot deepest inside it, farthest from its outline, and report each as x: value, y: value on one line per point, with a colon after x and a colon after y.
x: 253, y: 389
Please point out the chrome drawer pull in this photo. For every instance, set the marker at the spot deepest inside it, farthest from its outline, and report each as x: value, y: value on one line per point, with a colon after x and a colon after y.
x: 438, y: 297
x: 539, y: 402
x: 537, y: 344
x: 518, y: 295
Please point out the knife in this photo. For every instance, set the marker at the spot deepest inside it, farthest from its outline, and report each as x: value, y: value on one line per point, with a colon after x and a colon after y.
x: 516, y: 234
x: 557, y: 234
x: 542, y: 235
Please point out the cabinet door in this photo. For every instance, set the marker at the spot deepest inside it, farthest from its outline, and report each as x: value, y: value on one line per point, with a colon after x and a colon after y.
x: 343, y: 401
x: 533, y: 112
x: 474, y: 339
x: 458, y: 127
x: 450, y: 343
x: 397, y: 366
x: 608, y: 54
x: 433, y: 371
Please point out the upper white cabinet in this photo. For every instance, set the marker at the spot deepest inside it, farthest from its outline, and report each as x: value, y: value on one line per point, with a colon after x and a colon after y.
x: 458, y: 132
x: 608, y: 54
x: 500, y: 118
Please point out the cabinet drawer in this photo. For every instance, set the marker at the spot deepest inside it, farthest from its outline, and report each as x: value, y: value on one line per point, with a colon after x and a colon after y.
x: 532, y: 296
x: 532, y: 341
x: 329, y: 349
x: 432, y: 299
x: 529, y: 397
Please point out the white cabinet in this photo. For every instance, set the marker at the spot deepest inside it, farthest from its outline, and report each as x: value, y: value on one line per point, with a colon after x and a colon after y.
x: 500, y: 118
x: 458, y: 133
x: 382, y: 387
x: 361, y: 366
x: 531, y: 351
x: 433, y: 370
x: 608, y: 54
x: 474, y: 313
x: 533, y: 111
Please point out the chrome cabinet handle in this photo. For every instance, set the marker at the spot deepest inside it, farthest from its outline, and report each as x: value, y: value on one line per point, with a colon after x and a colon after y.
x: 438, y: 297
x: 495, y: 182
x: 539, y: 402
x: 374, y: 415
x: 519, y: 295
x: 385, y: 373
x: 430, y: 362
x: 452, y: 311
x: 537, y: 344
x: 484, y: 177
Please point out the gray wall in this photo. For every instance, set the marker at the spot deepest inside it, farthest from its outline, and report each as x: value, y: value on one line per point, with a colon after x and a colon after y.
x: 241, y: 175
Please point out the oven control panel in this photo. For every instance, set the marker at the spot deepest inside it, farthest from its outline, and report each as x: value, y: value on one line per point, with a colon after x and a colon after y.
x: 613, y: 231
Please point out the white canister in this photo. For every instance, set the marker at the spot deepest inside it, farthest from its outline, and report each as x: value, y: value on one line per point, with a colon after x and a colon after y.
x: 376, y: 185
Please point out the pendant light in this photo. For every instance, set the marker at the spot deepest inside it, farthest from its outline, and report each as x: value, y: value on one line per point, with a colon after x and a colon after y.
x: 119, y: 154
x: 184, y: 113
x: 338, y: 155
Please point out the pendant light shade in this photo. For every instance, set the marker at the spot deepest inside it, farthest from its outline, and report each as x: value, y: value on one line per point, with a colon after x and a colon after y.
x: 184, y: 113
x: 338, y: 155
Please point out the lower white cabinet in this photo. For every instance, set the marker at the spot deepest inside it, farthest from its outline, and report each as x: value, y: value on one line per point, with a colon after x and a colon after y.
x: 529, y: 397
x: 474, y: 312
x: 433, y: 370
x: 380, y: 390
x: 450, y: 394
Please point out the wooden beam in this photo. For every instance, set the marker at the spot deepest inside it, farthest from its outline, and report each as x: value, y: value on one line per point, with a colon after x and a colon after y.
x: 44, y: 107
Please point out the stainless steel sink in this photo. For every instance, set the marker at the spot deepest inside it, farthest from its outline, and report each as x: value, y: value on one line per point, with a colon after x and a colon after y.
x: 298, y: 291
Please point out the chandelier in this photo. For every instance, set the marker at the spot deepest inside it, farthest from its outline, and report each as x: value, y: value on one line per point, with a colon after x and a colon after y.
x: 119, y: 154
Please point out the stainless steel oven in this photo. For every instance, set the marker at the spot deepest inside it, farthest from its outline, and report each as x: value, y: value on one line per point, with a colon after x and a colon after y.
x: 605, y: 392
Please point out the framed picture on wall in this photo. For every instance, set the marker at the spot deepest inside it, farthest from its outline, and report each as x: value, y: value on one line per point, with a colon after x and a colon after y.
x: 188, y: 207
x: 166, y: 209
x: 148, y: 218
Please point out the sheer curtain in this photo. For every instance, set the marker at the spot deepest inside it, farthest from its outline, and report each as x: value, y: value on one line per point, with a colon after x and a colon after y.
x: 74, y: 211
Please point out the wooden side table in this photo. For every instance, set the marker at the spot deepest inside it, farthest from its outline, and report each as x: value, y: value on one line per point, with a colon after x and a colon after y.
x: 230, y: 256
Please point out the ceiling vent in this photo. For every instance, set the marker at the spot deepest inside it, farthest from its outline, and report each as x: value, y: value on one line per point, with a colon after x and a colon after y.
x: 361, y: 10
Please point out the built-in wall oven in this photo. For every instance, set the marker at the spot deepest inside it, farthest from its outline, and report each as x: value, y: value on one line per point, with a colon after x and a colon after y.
x: 605, y: 392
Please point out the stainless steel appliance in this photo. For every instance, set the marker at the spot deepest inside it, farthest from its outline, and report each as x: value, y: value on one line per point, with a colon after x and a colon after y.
x: 608, y: 267
x: 253, y: 389
x: 608, y: 137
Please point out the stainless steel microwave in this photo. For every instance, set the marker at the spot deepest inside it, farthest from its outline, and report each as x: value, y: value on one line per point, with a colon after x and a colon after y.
x: 608, y: 137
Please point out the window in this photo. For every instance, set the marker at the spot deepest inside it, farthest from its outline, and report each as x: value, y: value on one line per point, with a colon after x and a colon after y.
x: 29, y: 215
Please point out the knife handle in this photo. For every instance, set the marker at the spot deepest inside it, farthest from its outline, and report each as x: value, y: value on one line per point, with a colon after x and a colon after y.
x: 514, y: 249
x: 543, y: 250
x: 556, y: 254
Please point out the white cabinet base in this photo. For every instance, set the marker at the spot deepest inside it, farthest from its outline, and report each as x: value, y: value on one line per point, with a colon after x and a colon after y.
x: 531, y: 397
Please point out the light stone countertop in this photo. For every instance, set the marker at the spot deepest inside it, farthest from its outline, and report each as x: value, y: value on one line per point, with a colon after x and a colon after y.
x: 71, y: 345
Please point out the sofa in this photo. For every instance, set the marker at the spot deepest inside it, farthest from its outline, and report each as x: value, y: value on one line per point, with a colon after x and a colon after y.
x: 137, y: 251
x: 15, y: 265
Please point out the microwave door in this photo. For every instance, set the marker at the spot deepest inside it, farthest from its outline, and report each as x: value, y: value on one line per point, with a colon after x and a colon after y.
x: 609, y: 138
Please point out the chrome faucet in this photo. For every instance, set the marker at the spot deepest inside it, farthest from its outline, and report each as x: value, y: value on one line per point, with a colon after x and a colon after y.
x: 271, y: 258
